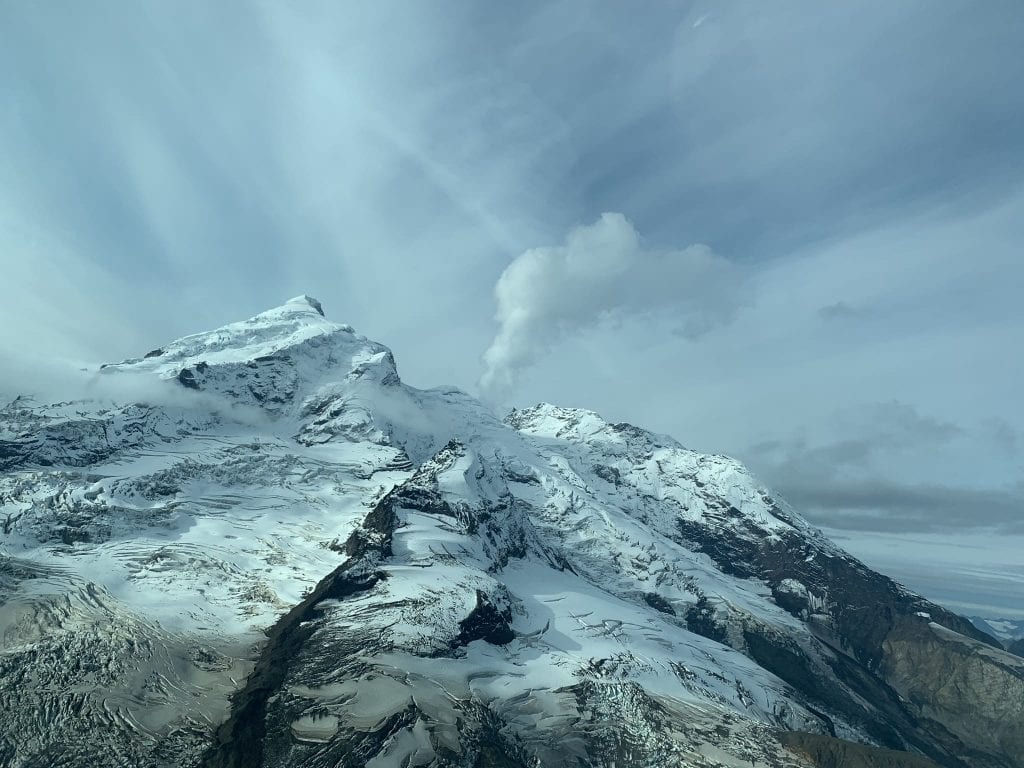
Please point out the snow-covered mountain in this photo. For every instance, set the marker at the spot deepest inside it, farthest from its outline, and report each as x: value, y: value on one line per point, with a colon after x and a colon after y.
x: 1006, y: 630
x: 269, y: 551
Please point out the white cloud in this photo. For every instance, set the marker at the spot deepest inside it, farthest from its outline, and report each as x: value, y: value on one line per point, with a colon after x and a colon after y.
x: 601, y: 270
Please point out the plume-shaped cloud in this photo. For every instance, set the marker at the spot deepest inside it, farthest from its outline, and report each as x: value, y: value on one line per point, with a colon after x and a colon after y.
x: 601, y: 270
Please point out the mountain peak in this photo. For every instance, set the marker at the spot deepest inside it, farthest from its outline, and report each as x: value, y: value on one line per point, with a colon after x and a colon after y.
x: 302, y: 303
x: 311, y: 301
x: 294, y: 339
x: 298, y: 309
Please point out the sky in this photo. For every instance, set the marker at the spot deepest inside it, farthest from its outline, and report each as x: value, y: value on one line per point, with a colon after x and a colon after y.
x: 789, y: 232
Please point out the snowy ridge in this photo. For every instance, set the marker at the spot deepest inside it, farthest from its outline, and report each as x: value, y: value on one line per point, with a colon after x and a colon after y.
x: 288, y: 557
x: 270, y: 360
x: 283, y: 328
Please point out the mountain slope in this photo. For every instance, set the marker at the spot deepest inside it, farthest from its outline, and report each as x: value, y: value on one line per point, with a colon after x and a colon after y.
x: 279, y: 554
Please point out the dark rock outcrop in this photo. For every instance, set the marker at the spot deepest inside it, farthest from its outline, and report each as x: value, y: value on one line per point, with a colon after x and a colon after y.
x: 239, y: 742
x: 829, y: 752
x: 486, y: 622
x: 876, y: 636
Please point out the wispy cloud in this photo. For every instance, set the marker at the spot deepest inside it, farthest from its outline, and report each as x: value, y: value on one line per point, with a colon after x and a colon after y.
x: 838, y: 311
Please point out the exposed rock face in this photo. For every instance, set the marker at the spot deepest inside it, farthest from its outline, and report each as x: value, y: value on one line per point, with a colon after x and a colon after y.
x: 857, y: 615
x: 973, y: 690
x: 287, y: 557
x: 827, y: 752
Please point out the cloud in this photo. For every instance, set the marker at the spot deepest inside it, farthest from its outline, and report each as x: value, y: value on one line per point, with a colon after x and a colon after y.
x: 838, y: 311
x: 886, y: 467
x: 876, y: 504
x: 602, y: 270
x: 1004, y: 437
x: 897, y: 425
x: 974, y: 573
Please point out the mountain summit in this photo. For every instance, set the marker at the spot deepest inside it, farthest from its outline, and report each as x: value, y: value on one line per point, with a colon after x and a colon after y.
x: 285, y: 556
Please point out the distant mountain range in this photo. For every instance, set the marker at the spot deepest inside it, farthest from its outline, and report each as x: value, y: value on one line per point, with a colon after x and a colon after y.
x: 1009, y: 631
x: 1006, y: 630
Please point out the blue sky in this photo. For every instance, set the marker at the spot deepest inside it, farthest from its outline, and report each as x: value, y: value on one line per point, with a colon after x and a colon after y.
x: 812, y: 261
